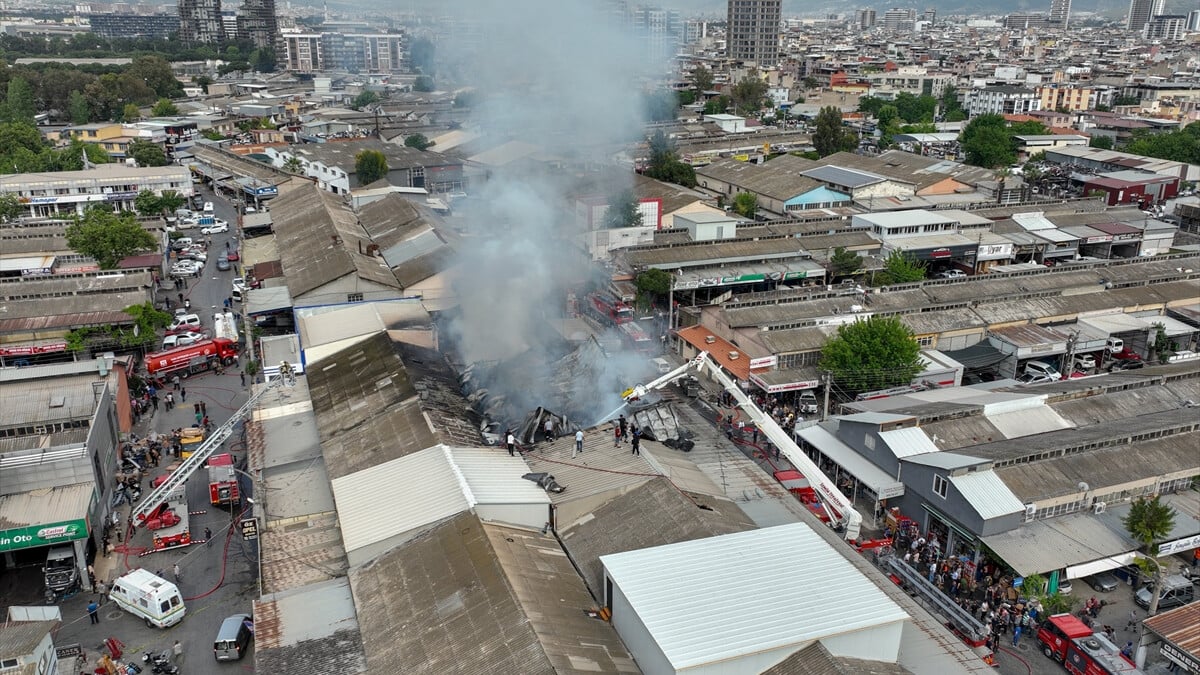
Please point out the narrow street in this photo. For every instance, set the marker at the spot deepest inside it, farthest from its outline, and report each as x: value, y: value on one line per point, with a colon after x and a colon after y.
x: 217, y: 579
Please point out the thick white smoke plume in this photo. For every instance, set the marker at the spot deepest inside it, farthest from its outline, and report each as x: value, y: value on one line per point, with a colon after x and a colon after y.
x: 559, y: 87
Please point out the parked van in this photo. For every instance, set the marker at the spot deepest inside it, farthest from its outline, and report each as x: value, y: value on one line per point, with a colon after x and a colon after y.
x: 1177, y: 590
x: 1042, y: 369
x: 233, y: 637
x: 661, y: 365
x: 191, y: 321
x: 152, y: 598
x: 236, y: 294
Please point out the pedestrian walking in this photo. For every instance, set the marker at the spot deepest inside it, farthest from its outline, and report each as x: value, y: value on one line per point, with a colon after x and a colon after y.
x: 181, y: 298
x: 243, y: 374
x: 624, y: 425
x: 199, y: 418
x: 207, y: 537
x: 203, y: 408
x: 616, y: 435
x: 511, y: 441
x: 548, y: 427
x: 93, y: 610
x: 177, y: 651
x: 175, y: 571
x: 175, y: 382
x: 183, y: 394
x: 578, y: 443
x: 1133, y: 621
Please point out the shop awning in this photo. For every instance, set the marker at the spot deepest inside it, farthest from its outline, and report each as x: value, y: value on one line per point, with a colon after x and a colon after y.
x: 976, y: 356
x: 43, y: 517
x: 1083, y: 543
x: 879, y: 482
x: 792, y: 379
x: 266, y: 300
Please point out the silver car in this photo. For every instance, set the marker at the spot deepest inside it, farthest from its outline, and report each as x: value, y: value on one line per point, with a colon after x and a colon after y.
x: 1103, y: 582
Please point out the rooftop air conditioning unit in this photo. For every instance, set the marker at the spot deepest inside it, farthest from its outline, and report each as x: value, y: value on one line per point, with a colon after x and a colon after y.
x: 708, y: 339
x: 1099, y: 507
x: 733, y: 356
x: 1030, y: 509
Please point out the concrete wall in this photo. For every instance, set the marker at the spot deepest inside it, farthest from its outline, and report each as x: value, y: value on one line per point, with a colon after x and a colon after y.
x: 338, y: 290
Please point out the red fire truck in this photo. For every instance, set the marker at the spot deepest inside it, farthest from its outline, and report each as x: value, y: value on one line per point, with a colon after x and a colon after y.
x: 169, y: 521
x: 635, y: 338
x: 222, y: 480
x: 194, y: 358
x: 609, y: 310
x: 1066, y: 639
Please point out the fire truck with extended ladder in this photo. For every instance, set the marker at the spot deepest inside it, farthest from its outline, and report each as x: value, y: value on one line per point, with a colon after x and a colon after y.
x: 609, y: 310
x: 222, y: 480
x: 167, y: 503
x: 839, y: 511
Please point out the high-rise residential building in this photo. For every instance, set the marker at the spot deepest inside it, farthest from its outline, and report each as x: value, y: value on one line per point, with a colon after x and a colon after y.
x: 1060, y: 13
x: 134, y: 25
x: 900, y: 19
x: 753, y: 31
x: 1166, y: 27
x: 930, y: 15
x: 694, y: 31
x: 256, y: 22
x: 1193, y: 20
x: 353, y: 52
x: 301, y: 52
x: 200, y: 22
x: 229, y: 22
x: 1141, y: 11
x: 865, y: 18
x: 661, y: 29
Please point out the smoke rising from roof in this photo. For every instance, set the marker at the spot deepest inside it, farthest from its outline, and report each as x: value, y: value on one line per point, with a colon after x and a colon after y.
x: 557, y: 92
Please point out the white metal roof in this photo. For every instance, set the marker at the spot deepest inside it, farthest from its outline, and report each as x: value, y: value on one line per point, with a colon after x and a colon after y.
x: 1029, y: 421
x: 1054, y: 543
x: 1033, y: 221
x: 723, y: 597
x: 1115, y: 323
x: 398, y: 496
x: 908, y: 442
x: 858, y: 466
x: 987, y: 494
x: 495, y: 478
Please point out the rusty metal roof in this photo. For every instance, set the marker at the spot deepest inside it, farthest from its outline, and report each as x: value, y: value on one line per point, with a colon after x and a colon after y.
x: 1180, y: 627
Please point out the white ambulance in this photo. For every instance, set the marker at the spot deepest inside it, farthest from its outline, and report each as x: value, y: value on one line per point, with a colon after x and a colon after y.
x: 149, y: 597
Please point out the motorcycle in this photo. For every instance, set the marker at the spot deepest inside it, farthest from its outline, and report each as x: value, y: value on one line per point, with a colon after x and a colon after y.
x: 160, y: 663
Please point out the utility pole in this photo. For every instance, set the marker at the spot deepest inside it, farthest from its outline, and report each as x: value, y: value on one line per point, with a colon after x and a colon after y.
x: 825, y: 406
x: 1068, y: 368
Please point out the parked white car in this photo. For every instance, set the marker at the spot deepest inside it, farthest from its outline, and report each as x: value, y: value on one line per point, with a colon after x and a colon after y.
x: 1084, y: 362
x: 218, y: 227
x: 1043, y: 369
x: 208, y: 207
x: 181, y: 339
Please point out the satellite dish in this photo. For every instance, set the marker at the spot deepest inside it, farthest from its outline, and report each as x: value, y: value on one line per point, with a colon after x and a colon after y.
x: 1083, y: 487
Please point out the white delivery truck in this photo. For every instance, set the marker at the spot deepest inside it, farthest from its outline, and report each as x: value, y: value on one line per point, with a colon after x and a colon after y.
x: 152, y: 598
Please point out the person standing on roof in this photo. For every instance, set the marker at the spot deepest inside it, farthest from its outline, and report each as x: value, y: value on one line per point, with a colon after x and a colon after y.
x: 549, y: 429
x: 512, y: 443
x: 624, y: 427
x: 578, y: 443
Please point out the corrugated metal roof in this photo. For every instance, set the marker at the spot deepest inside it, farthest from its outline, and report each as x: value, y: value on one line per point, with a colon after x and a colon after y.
x: 1029, y: 421
x: 907, y: 442
x: 844, y: 456
x: 399, y: 496
x: 987, y: 494
x: 291, y: 638
x: 763, y: 589
x: 48, y: 505
x: 19, y: 639
x: 1055, y: 543
x: 1180, y: 627
x: 34, y: 402
x: 945, y: 460
x: 836, y: 175
x: 268, y: 299
x: 495, y: 478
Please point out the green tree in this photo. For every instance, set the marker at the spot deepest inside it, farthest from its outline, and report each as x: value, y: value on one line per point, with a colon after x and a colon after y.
x: 20, y: 103
x: 130, y: 113
x: 155, y: 72
x: 717, y: 106
x: 900, y: 268
x: 146, y: 153
x: 203, y: 81
x: 171, y: 201
x: 164, y: 108
x: 1126, y: 100
x: 664, y: 164
x: 914, y: 109
x: 1178, y: 146
x: 466, y: 99
x: 71, y: 157
x: 421, y: 54
x: 148, y: 319
x: 830, y: 136
x: 418, y: 141
x: 873, y: 353
x: 660, y: 106
x: 952, y: 110
x: 1027, y: 128
x: 423, y: 83
x: 622, y: 211
x: 370, y: 166
x: 147, y: 203
x: 1148, y: 522
x: 293, y: 165
x: 10, y: 208
x: 108, y: 237
x: 366, y: 98
x: 653, y: 281
x: 749, y: 92
x: 78, y: 108
x: 745, y: 204
x: 262, y: 60
x: 986, y: 142
x: 1102, y: 142
x: 888, y: 123
x: 843, y: 263
x: 702, y: 79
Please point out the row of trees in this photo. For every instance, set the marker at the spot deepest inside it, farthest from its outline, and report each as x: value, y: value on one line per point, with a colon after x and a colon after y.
x: 23, y: 149
x: 1179, y: 146
x: 990, y: 140
x: 86, y: 93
